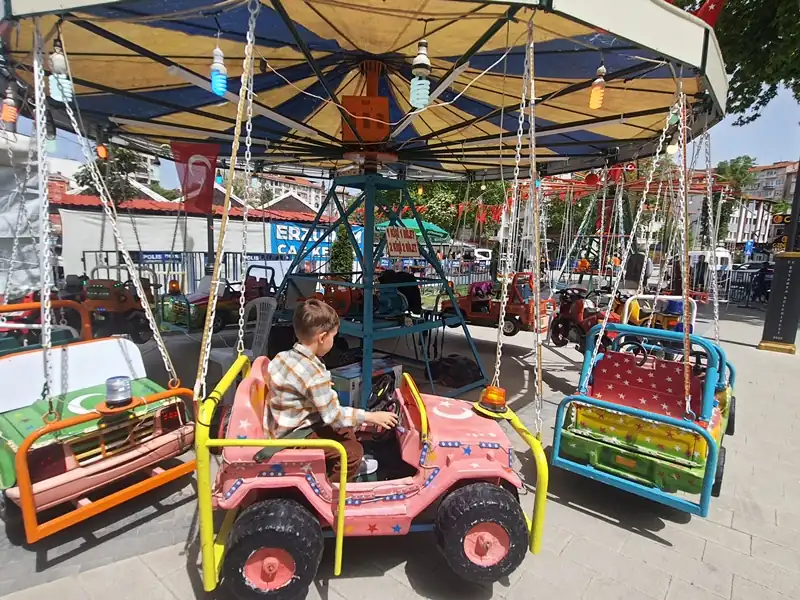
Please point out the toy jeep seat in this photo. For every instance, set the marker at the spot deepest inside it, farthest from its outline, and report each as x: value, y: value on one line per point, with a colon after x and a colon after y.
x: 247, y: 417
x: 656, y: 387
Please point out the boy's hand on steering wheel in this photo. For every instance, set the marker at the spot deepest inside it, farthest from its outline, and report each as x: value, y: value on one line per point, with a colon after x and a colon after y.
x: 384, y: 419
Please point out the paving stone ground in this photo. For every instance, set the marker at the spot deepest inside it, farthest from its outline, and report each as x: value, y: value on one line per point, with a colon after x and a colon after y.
x: 600, y: 544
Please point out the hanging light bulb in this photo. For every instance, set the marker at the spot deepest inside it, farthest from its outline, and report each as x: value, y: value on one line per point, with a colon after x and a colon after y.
x: 672, y: 147
x: 219, y: 74
x: 483, y: 185
x: 9, y: 112
x: 421, y: 85
x: 598, y: 89
x: 61, y: 89
x: 419, y: 190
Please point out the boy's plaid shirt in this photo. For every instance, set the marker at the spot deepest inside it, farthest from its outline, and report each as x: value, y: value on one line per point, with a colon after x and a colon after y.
x: 301, y: 394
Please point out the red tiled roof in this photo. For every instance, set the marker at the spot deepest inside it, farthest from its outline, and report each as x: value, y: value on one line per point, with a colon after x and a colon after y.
x: 778, y: 165
x: 145, y: 206
x: 296, y: 180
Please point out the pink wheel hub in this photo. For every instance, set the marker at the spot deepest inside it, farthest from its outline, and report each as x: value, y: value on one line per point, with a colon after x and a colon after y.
x: 486, y: 544
x: 269, y: 569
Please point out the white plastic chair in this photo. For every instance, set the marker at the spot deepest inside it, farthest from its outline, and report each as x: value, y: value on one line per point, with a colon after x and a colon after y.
x: 225, y: 357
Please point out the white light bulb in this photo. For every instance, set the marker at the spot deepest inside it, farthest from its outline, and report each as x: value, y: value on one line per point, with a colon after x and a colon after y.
x: 672, y: 149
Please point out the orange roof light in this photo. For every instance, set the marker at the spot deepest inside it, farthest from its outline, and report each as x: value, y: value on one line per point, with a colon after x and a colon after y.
x: 174, y: 287
x: 493, y: 399
x: 101, y: 151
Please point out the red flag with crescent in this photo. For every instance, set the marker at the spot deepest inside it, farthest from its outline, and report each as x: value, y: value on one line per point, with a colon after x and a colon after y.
x: 196, y: 165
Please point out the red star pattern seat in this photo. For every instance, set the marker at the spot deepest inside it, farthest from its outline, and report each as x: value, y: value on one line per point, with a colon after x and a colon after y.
x: 656, y: 386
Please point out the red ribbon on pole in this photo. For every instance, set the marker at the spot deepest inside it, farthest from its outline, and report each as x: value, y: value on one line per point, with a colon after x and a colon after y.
x: 196, y: 165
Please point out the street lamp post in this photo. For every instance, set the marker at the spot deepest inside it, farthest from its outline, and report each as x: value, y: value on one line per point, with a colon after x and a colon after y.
x: 783, y: 309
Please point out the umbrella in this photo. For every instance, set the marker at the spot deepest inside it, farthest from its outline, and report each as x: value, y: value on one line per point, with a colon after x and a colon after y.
x: 436, y: 234
x: 142, y: 71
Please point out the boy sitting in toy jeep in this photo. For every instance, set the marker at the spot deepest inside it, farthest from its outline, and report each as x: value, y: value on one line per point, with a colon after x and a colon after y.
x: 301, y: 394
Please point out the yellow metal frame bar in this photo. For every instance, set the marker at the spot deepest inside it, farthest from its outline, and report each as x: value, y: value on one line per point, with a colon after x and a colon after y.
x: 212, y: 547
x: 536, y: 523
x: 423, y: 413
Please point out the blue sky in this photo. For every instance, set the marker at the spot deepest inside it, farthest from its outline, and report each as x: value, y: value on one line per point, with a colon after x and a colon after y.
x: 772, y: 138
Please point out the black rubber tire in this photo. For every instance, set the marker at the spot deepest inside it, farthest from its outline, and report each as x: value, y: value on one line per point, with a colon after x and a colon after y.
x: 559, y: 332
x: 219, y: 323
x: 512, y: 325
x: 140, y: 329
x: 276, y: 523
x: 478, y: 503
x: 731, y: 428
x: 716, y: 489
x: 11, y: 516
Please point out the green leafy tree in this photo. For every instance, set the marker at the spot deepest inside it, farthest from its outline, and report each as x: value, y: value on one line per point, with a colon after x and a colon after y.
x: 737, y: 174
x: 342, y: 253
x: 262, y: 195
x: 164, y: 192
x: 759, y: 40
x: 114, y: 171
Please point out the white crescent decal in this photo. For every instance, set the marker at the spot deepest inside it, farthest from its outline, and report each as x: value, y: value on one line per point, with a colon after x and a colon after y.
x: 205, y: 165
x: 75, y: 405
x: 465, y: 413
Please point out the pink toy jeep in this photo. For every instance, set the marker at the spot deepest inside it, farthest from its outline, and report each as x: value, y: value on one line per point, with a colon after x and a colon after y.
x: 446, y: 468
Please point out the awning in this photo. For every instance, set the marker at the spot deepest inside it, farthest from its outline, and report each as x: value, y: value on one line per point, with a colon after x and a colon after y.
x: 436, y: 234
x: 141, y: 71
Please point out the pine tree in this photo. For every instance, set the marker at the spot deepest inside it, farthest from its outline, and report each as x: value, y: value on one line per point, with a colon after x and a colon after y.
x: 342, y: 252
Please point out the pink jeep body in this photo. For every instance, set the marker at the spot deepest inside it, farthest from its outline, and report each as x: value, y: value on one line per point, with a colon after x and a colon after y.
x: 461, y: 446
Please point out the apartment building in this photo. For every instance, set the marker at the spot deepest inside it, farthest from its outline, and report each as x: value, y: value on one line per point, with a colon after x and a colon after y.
x: 310, y: 193
x: 773, y: 184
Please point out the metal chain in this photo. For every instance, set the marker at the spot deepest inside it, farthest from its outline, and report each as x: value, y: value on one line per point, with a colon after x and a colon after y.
x: 581, y: 228
x: 657, y: 156
x: 249, y: 197
x: 640, y: 288
x: 23, y: 220
x: 109, y: 211
x: 45, y: 264
x: 601, y: 255
x: 507, y: 246
x: 683, y: 230
x: 535, y: 209
x: 253, y: 7
x: 713, y: 226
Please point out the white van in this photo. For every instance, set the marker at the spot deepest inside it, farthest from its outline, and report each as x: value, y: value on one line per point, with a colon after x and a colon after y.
x: 483, y: 254
x: 723, y: 258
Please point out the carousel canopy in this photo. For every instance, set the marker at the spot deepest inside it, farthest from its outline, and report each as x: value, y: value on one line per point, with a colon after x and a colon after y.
x: 141, y: 73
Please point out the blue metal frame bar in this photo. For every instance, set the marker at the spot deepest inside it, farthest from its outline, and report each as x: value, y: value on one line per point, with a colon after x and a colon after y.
x: 430, y: 256
x: 627, y: 485
x: 340, y: 208
x: 369, y: 282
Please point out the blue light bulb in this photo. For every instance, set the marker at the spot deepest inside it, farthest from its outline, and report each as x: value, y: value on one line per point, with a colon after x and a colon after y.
x: 219, y: 74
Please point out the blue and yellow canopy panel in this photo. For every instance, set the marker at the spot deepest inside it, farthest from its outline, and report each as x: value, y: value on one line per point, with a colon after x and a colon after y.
x: 141, y: 71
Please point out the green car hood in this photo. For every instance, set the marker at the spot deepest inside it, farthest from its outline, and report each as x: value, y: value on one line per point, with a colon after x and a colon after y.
x: 16, y: 425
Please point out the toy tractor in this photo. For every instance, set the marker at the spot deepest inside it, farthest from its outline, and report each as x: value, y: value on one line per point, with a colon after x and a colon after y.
x: 481, y: 306
x: 446, y: 468
x: 65, y: 447
x: 189, y: 310
x: 117, y: 310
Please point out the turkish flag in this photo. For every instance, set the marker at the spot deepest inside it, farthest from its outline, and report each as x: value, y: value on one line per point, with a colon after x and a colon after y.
x: 461, y: 208
x: 481, y: 214
x: 615, y: 173
x: 710, y: 11
x: 196, y: 165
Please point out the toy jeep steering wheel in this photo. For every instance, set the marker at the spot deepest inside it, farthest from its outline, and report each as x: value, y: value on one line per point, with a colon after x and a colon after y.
x: 381, y: 398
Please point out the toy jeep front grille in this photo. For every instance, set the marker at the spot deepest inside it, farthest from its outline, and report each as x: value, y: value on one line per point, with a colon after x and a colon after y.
x: 112, y: 440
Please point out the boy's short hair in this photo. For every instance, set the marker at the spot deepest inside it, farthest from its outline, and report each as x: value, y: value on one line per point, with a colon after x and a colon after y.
x: 313, y: 317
